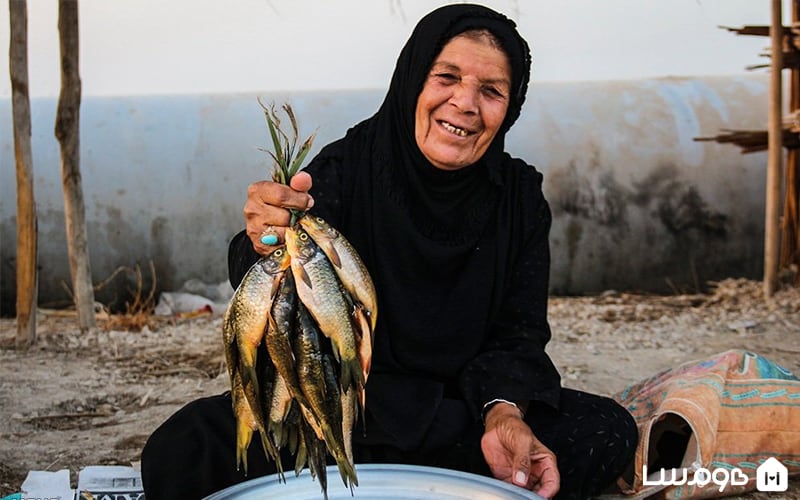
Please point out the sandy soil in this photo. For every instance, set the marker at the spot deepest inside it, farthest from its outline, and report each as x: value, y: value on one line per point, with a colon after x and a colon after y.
x: 75, y: 400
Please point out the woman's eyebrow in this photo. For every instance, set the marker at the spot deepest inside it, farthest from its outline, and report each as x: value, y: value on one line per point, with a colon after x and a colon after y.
x: 443, y: 65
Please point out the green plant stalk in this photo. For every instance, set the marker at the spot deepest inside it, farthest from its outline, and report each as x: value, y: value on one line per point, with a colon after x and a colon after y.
x: 286, y: 163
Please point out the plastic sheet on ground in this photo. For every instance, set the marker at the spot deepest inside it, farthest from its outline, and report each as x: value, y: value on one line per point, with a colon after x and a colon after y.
x: 195, y: 298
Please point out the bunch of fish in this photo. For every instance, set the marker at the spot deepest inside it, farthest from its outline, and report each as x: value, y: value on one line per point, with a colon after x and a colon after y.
x: 298, y: 337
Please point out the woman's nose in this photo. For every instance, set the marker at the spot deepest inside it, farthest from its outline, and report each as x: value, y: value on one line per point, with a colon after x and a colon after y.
x: 465, y: 97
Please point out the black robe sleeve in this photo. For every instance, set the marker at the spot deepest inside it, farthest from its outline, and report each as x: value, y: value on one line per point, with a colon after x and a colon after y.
x: 513, y: 364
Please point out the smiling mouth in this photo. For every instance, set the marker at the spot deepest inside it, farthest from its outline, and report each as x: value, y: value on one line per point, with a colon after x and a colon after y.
x: 453, y: 129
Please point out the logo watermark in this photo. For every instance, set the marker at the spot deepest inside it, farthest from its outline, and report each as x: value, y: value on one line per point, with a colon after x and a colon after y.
x: 771, y: 475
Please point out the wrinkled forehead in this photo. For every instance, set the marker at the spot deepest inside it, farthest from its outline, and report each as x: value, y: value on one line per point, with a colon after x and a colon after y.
x: 461, y: 50
x: 480, y: 35
x: 486, y: 27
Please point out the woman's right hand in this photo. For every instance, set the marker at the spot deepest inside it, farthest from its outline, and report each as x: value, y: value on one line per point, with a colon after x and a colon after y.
x: 268, y: 204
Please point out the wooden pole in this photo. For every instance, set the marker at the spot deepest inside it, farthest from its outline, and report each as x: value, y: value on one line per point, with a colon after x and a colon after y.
x: 790, y: 224
x: 27, y: 282
x: 774, y: 160
x: 67, y: 131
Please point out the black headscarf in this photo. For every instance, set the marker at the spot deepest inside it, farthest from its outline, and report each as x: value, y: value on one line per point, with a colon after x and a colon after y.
x: 426, y: 42
x: 443, y: 203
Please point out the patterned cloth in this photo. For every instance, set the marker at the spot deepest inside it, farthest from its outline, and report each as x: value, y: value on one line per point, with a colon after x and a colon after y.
x: 732, y: 411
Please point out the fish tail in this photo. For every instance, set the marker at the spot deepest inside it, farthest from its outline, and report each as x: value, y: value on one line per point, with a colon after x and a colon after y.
x: 276, y: 430
x: 347, y: 472
x: 301, y: 457
x: 244, y: 434
x: 315, y: 449
x: 322, y: 474
x: 352, y: 374
x: 273, y: 453
x: 336, y: 448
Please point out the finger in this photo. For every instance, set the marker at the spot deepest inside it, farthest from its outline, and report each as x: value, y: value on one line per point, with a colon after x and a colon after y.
x: 548, y: 485
x: 522, y: 468
x: 258, y: 241
x: 549, y: 481
x: 264, y: 249
x: 301, y: 182
x: 259, y: 215
x: 521, y: 460
x: 279, y: 195
x: 270, y: 221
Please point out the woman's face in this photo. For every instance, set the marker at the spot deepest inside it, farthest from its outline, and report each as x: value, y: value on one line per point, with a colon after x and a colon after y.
x: 463, y: 102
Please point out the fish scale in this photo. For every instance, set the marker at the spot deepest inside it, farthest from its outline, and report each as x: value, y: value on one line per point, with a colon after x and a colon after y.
x: 322, y: 294
x: 243, y: 327
x: 346, y: 262
x: 318, y: 381
x: 279, y: 331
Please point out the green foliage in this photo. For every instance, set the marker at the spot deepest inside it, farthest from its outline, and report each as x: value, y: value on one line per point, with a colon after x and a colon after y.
x: 286, y: 155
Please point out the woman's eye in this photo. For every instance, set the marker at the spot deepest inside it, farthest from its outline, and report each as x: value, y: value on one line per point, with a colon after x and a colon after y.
x: 492, y: 92
x: 447, y: 77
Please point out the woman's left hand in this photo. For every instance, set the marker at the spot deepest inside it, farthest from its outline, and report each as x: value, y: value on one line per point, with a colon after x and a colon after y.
x: 515, y: 455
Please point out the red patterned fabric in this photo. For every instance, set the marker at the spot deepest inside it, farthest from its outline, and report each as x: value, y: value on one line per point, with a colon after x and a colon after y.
x: 732, y: 411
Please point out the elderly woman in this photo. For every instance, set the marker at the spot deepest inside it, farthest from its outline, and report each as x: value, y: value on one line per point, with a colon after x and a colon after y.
x: 454, y: 232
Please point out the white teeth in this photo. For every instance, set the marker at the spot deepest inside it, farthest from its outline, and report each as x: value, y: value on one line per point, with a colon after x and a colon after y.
x: 458, y: 131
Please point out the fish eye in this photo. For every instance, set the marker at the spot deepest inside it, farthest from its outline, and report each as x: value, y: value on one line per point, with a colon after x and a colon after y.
x: 319, y: 219
x: 279, y: 252
x: 303, y: 236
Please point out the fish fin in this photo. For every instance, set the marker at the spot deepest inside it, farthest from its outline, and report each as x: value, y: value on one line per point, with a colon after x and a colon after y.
x: 312, y: 421
x: 232, y: 360
x: 333, y: 256
x: 303, y: 275
x: 276, y: 286
x: 362, y: 402
x: 373, y: 318
x: 249, y: 376
x: 364, y: 339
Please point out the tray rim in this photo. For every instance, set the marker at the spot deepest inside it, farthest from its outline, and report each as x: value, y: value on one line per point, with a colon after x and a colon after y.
x: 489, y: 486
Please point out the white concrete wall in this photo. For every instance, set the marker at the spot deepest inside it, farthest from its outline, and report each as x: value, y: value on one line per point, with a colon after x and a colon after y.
x: 636, y: 201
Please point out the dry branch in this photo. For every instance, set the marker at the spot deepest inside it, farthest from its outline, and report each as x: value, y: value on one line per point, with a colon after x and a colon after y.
x: 752, y: 141
x: 790, y: 43
x: 139, y: 311
x: 748, y: 30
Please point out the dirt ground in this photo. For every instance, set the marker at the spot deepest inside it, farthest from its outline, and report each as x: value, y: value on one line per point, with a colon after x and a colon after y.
x: 75, y: 400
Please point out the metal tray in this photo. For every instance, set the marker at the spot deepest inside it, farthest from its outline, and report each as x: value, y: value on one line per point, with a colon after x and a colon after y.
x: 384, y: 481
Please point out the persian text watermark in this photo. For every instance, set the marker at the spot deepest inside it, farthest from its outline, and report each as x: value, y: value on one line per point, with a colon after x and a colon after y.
x: 771, y: 475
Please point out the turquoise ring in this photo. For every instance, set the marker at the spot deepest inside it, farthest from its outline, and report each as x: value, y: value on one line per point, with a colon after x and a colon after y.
x: 269, y: 236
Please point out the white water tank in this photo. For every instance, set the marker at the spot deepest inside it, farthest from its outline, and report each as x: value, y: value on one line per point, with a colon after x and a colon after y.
x: 638, y: 204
